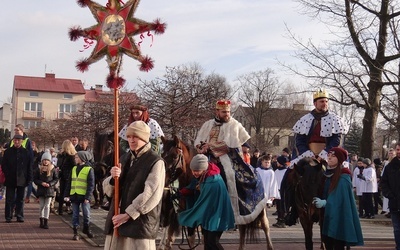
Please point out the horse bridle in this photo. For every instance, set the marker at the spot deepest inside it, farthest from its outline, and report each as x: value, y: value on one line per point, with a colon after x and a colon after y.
x: 176, y: 153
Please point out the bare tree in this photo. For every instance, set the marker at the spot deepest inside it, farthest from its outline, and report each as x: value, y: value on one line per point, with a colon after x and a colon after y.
x: 359, y: 62
x: 95, y: 115
x: 183, y: 99
x: 268, y: 108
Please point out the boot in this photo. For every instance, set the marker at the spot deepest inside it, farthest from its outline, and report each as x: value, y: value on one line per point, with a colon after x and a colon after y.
x: 41, y: 222
x: 106, y: 206
x: 45, y: 225
x: 280, y: 223
x: 76, y: 235
x: 86, y: 230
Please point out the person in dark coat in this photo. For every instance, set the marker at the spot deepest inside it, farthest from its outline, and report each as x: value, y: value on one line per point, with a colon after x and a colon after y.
x: 65, y: 163
x: 390, y: 186
x: 17, y: 168
x: 45, y: 178
x: 254, y: 158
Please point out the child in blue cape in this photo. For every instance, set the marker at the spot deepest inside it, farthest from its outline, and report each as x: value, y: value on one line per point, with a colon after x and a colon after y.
x: 341, y: 226
x: 212, y: 209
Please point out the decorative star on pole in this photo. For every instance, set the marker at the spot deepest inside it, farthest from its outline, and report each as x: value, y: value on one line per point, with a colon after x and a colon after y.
x: 114, y: 37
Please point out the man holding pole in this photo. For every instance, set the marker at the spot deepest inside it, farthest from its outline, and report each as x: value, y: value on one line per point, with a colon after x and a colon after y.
x: 141, y: 177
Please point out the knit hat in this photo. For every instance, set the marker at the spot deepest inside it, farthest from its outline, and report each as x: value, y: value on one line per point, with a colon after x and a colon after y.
x: 360, y: 159
x: 46, y: 155
x: 377, y: 162
x: 18, y: 137
x: 286, y: 150
x: 282, y: 160
x: 199, y: 162
x: 139, y: 129
x: 246, y: 145
x: 367, y: 161
x: 340, y: 154
x: 85, y: 156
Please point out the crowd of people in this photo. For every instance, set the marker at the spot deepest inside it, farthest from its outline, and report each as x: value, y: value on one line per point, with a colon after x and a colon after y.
x: 224, y: 156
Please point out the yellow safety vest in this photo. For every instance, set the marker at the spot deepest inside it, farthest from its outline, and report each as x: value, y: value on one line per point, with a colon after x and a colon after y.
x: 23, y: 144
x: 79, y: 183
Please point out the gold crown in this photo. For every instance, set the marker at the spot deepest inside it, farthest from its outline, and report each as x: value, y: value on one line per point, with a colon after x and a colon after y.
x: 321, y: 93
x: 223, y: 104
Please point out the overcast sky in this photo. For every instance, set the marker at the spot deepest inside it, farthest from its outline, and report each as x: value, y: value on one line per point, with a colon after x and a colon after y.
x: 228, y: 37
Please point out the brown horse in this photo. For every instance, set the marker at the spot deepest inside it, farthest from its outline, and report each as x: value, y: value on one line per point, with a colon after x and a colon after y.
x: 301, y: 185
x: 177, y: 156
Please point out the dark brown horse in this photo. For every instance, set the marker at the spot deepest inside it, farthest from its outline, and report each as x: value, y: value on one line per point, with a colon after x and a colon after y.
x: 301, y: 185
x: 177, y: 156
x: 103, y: 154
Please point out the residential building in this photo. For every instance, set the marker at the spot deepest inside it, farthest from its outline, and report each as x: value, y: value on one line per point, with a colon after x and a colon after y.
x: 35, y: 99
x: 5, y: 116
x: 275, y: 129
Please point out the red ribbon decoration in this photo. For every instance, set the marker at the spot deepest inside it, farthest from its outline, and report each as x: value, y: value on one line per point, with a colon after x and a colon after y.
x: 152, y: 37
x: 142, y: 38
x: 88, y: 44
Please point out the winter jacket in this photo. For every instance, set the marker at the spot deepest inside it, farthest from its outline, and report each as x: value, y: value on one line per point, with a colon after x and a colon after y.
x: 52, y: 180
x: 390, y: 184
x: 89, y: 188
x: 65, y: 163
x: 17, y: 167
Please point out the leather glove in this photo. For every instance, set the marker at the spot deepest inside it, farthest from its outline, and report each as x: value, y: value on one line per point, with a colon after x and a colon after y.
x: 361, y: 177
x: 318, y: 202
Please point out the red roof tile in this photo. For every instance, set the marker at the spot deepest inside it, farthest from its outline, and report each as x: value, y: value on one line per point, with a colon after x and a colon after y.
x: 48, y: 84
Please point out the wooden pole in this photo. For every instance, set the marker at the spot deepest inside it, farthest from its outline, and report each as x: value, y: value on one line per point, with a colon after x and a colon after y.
x: 116, y: 154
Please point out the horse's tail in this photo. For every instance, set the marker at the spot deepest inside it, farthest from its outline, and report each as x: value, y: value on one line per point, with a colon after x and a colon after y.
x: 250, y: 232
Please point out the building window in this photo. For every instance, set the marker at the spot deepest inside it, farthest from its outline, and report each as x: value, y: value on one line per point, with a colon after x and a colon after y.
x: 34, y: 94
x: 276, y: 140
x: 34, y: 108
x: 32, y: 124
x: 66, y: 109
x: 68, y: 96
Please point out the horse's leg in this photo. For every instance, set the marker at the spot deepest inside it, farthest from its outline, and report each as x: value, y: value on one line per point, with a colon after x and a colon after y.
x: 308, y: 233
x: 170, y: 237
x: 191, y: 237
x: 265, y: 226
x: 162, y: 244
x: 322, y: 246
x: 96, y: 194
x: 242, y: 234
x: 101, y: 193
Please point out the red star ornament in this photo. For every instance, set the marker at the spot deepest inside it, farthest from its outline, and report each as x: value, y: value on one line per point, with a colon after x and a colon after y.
x: 114, y: 36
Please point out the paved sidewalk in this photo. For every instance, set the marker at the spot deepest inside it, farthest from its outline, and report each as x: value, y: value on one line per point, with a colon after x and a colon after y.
x: 28, y: 235
x: 378, y: 233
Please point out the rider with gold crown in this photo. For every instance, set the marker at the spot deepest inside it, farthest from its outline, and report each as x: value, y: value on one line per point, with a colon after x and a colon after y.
x: 318, y: 131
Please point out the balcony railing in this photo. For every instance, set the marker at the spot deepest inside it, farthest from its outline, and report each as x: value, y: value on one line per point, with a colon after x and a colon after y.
x: 33, y: 115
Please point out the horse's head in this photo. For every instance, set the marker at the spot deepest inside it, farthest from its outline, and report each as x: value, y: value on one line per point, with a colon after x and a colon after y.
x: 309, y: 173
x: 103, y: 146
x: 176, y: 156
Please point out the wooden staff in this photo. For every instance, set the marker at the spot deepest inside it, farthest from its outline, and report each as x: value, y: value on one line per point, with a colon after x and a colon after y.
x: 116, y: 154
